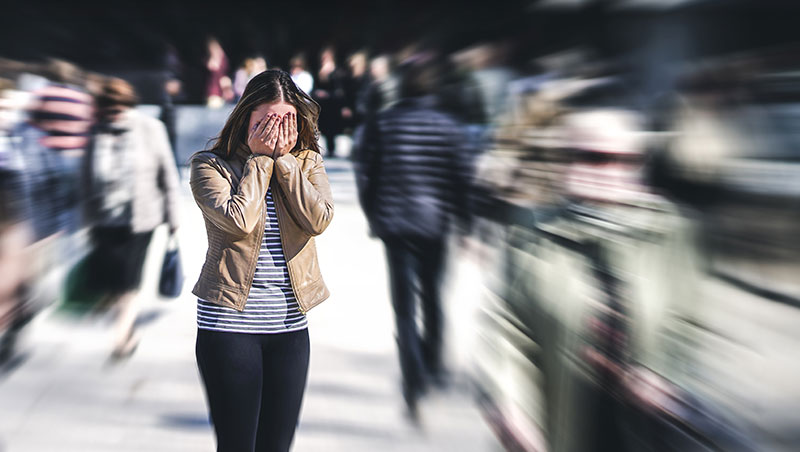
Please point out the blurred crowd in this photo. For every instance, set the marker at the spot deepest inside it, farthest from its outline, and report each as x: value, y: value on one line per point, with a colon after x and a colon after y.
x: 346, y: 93
x: 635, y: 220
x: 638, y: 241
x: 642, y: 244
x: 86, y: 180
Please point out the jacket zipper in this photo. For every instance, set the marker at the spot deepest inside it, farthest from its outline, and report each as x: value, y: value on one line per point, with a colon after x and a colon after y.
x: 254, y: 260
x: 288, y: 267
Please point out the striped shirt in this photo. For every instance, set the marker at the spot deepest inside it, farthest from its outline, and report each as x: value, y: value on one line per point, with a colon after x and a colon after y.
x: 64, y: 113
x: 271, y: 305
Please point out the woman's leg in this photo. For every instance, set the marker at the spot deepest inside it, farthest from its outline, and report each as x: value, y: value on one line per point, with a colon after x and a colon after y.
x: 231, y: 369
x: 126, y: 336
x: 286, y: 358
x: 126, y: 259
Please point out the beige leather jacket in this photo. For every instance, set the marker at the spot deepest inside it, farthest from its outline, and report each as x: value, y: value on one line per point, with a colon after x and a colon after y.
x: 231, y: 194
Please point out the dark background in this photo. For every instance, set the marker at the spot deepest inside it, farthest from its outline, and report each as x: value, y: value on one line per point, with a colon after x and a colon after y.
x: 130, y: 37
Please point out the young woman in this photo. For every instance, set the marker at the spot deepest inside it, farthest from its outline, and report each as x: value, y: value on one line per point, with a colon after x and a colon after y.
x: 264, y: 195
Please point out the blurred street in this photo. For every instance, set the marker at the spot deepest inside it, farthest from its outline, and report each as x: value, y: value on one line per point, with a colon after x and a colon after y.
x: 587, y: 210
x: 63, y: 395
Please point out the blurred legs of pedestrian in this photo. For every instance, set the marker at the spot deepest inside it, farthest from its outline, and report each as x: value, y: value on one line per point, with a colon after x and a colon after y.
x: 126, y: 337
x: 416, y: 267
x: 169, y: 118
x: 116, y: 263
x: 330, y: 145
x: 15, y: 241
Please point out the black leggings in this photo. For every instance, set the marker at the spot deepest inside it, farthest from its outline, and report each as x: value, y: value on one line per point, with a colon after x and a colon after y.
x: 254, y: 386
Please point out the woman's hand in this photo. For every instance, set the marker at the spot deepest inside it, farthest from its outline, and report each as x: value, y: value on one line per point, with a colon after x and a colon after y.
x: 286, y: 135
x: 264, y: 134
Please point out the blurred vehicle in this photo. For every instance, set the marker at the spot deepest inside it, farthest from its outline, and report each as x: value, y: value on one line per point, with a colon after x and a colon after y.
x: 644, y: 295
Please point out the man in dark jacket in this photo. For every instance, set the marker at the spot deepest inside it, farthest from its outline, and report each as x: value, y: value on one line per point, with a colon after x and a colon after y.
x: 412, y: 183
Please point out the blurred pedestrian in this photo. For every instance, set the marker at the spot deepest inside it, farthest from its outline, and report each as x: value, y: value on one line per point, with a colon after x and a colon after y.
x: 383, y: 90
x: 264, y: 195
x: 54, y: 142
x: 63, y: 112
x: 329, y: 92
x: 249, y: 69
x: 218, y: 84
x: 413, y: 182
x: 301, y: 77
x: 356, y: 85
x: 131, y: 183
x: 172, y: 91
x: 16, y: 233
x: 43, y: 138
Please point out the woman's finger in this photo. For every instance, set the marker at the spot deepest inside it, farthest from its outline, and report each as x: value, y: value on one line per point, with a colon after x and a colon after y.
x: 268, y: 126
x: 261, y: 124
x: 274, y: 132
x: 285, y: 129
x: 254, y: 129
x: 289, y: 132
x: 272, y: 139
x: 282, y: 136
x: 293, y: 131
x: 260, y: 127
x: 267, y: 129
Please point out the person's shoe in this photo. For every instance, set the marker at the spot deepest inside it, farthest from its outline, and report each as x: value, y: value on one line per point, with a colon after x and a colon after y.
x: 119, y: 355
x: 126, y: 350
x: 440, y: 379
x: 412, y: 395
x: 412, y: 410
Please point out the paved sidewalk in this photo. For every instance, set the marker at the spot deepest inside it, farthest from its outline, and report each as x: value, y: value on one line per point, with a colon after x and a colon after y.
x: 63, y: 396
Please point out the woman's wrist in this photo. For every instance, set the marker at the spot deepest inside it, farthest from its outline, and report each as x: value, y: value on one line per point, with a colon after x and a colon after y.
x: 260, y: 159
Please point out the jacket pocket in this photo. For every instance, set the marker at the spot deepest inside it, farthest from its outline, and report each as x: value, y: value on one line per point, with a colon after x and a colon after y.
x: 226, y: 267
x: 306, y: 266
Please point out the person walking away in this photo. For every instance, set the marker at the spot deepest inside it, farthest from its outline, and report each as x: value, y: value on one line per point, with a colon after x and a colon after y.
x: 329, y: 92
x: 172, y: 91
x: 131, y: 184
x: 411, y: 161
x: 383, y: 90
x: 356, y: 85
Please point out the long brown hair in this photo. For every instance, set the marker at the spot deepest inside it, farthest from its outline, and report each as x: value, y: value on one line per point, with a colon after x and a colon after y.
x: 267, y: 87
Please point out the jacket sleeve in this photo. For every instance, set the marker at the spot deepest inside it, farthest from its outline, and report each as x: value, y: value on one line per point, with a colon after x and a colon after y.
x: 308, y: 198
x: 235, y: 212
x: 367, y: 164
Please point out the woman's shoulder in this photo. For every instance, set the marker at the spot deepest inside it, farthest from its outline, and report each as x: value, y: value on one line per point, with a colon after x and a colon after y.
x: 307, y: 154
x: 203, y: 155
x: 207, y: 156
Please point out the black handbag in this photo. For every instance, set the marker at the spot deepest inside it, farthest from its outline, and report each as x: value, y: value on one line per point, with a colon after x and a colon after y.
x: 171, y: 282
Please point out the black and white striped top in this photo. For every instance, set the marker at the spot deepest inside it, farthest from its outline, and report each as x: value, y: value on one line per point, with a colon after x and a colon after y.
x: 271, y: 305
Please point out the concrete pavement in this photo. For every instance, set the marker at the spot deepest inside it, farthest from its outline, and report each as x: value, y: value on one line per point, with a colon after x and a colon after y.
x: 64, y: 396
